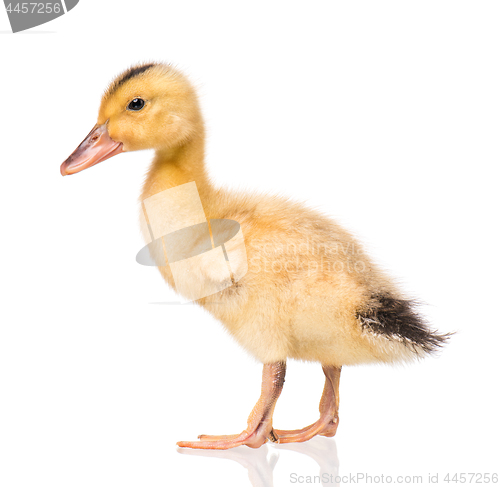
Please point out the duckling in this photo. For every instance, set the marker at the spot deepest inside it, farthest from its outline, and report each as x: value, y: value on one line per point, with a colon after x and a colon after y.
x: 307, y: 290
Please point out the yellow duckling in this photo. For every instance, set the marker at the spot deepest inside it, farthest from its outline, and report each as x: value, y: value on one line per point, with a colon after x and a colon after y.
x: 307, y: 290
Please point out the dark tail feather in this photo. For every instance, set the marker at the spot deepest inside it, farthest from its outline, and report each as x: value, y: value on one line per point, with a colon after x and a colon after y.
x: 397, y: 319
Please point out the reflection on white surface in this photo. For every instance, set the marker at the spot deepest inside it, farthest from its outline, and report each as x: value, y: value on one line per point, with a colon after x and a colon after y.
x: 260, y: 464
x: 256, y: 461
x: 323, y: 451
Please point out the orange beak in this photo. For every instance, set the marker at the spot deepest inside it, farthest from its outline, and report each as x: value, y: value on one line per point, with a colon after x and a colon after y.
x: 97, y: 147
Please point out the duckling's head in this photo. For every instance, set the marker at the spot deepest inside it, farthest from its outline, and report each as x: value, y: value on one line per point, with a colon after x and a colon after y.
x: 149, y: 106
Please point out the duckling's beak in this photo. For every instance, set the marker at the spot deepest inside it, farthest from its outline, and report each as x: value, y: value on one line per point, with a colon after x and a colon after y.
x: 97, y: 147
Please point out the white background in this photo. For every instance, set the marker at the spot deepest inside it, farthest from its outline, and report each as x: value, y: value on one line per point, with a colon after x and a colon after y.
x: 384, y: 114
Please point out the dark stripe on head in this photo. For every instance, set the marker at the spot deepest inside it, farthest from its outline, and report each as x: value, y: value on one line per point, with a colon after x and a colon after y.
x: 129, y: 74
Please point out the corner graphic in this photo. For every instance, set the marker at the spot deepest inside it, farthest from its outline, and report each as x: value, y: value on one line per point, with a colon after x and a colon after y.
x: 26, y: 15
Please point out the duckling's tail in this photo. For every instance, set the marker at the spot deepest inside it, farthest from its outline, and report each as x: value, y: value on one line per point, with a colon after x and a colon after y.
x: 396, y: 320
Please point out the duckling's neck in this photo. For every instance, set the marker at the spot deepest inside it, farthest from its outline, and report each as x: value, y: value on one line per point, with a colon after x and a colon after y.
x: 172, y: 167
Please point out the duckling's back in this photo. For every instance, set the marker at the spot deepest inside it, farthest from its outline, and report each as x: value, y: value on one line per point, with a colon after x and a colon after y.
x: 311, y: 292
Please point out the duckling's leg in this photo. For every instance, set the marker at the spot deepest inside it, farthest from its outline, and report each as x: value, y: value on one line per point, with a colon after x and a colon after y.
x: 260, y: 421
x: 329, y: 412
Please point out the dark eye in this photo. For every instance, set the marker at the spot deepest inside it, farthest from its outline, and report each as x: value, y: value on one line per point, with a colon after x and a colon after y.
x: 136, y: 104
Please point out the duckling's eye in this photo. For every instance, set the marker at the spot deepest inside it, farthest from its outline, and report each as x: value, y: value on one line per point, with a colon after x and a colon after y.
x: 136, y: 104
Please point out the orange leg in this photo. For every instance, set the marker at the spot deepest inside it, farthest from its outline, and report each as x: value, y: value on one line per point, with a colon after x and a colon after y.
x: 259, y: 427
x: 329, y: 412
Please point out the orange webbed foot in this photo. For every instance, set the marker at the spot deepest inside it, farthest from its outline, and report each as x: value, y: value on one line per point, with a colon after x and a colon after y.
x: 252, y: 439
x: 322, y: 427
